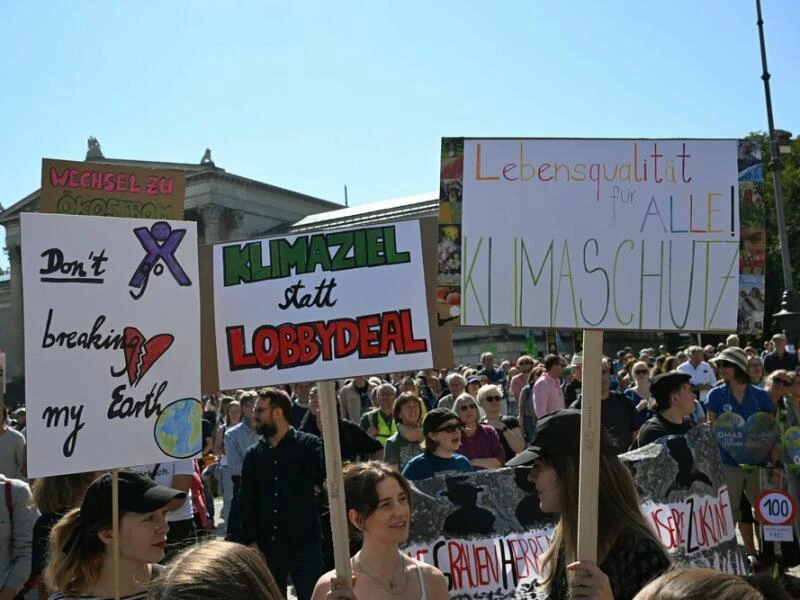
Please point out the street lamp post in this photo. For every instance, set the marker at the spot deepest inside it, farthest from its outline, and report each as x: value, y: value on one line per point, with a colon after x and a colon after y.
x: 789, y: 315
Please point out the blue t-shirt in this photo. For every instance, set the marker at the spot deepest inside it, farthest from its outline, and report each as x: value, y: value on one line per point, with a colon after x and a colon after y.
x: 644, y: 415
x: 426, y: 465
x: 721, y: 400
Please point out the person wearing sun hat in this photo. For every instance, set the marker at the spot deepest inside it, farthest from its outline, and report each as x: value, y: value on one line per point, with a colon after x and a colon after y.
x: 629, y: 554
x: 442, y: 430
x: 736, y: 394
x: 80, y: 555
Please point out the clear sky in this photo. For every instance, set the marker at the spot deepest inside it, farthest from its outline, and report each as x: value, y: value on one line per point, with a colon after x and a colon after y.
x: 312, y: 95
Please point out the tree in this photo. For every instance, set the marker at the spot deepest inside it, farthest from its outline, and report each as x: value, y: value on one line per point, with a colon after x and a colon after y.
x: 790, y: 176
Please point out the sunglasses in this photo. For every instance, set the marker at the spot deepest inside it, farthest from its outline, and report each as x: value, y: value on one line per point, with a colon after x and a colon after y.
x: 468, y: 406
x: 492, y: 398
x: 640, y: 372
x: 448, y: 429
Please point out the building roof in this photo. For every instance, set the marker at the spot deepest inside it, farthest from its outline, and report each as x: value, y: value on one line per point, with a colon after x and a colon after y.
x: 395, y: 209
x: 194, y: 173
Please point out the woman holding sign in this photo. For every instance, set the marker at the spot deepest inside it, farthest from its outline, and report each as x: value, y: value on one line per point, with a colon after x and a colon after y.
x: 378, y: 501
x: 629, y: 555
x: 81, y: 558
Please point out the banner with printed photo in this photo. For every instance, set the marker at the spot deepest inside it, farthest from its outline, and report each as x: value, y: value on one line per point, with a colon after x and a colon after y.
x: 753, y: 240
x: 486, y: 532
x: 599, y: 233
x: 451, y: 184
x: 111, y: 190
x: 112, y: 342
x: 318, y: 306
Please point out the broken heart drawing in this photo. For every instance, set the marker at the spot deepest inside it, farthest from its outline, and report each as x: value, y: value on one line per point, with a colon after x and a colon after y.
x: 142, y: 353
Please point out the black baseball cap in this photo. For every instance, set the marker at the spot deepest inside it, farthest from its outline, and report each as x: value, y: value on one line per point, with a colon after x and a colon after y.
x: 665, y: 384
x: 137, y: 493
x: 558, y: 434
x: 436, y: 418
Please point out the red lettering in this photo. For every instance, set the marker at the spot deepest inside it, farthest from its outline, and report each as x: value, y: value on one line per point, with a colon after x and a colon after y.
x: 411, y: 345
x: 309, y: 350
x: 459, y: 565
x: 97, y: 180
x: 326, y: 332
x: 368, y: 342
x: 265, y: 345
x: 346, y: 338
x: 108, y: 182
x: 167, y: 186
x: 134, y: 186
x: 237, y: 353
x: 122, y: 182
x: 58, y: 179
x: 86, y: 179
x: 486, y: 565
x: 288, y: 346
x: 73, y: 178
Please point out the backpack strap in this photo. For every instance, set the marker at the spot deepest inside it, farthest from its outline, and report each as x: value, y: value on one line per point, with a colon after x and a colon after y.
x: 9, y: 503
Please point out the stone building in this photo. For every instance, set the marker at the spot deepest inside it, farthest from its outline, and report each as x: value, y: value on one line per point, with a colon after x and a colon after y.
x: 225, y: 206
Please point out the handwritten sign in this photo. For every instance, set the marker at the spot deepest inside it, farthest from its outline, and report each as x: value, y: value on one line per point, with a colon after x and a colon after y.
x: 112, y: 348
x: 607, y: 234
x: 111, y: 190
x: 486, y: 532
x: 321, y: 306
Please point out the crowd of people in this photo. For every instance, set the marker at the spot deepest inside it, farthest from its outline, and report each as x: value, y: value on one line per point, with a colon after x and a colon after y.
x: 263, y: 455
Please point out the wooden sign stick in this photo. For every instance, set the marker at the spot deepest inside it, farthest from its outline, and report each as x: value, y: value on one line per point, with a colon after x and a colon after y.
x: 588, y: 486
x: 333, y: 466
x: 115, y: 529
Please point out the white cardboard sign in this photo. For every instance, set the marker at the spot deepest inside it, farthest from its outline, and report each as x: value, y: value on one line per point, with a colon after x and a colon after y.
x: 607, y: 234
x: 112, y: 344
x: 321, y: 305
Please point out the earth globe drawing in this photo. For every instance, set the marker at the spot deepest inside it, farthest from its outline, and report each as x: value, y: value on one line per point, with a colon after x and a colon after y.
x: 178, y: 429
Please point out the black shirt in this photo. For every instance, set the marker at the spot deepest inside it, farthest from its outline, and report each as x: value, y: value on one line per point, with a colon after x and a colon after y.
x: 631, y: 564
x: 619, y: 417
x: 354, y: 443
x: 657, y: 427
x: 509, y: 423
x: 277, y: 497
x: 773, y: 362
x: 571, y: 392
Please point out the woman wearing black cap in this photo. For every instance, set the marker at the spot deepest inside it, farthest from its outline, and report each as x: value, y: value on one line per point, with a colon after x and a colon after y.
x: 442, y: 430
x: 629, y: 555
x: 81, y: 561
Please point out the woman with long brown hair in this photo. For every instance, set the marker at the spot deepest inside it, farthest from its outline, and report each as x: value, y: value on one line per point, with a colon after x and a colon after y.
x: 629, y: 554
x: 378, y: 503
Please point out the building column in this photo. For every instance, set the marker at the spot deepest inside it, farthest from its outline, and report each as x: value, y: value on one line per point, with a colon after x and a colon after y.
x: 239, y: 220
x: 211, y: 216
x: 15, y: 354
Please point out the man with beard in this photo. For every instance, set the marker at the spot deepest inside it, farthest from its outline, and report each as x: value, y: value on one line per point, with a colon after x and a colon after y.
x: 281, y: 477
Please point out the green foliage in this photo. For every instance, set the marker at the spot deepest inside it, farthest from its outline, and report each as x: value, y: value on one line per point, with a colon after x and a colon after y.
x: 790, y: 184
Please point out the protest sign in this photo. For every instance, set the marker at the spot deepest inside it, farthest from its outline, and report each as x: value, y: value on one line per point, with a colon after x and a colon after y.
x: 486, y: 532
x: 111, y: 190
x: 320, y: 306
x: 578, y: 234
x: 112, y: 355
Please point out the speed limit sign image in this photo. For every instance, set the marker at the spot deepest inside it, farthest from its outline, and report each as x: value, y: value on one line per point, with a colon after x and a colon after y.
x: 776, y: 510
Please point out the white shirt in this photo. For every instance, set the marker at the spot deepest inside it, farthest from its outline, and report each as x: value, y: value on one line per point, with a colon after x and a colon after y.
x: 701, y: 374
x: 164, y: 475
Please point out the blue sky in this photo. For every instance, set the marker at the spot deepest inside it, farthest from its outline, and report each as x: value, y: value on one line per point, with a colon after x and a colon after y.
x: 314, y: 95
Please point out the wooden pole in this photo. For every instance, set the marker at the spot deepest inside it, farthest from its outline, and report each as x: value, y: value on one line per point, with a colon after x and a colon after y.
x: 333, y: 466
x: 590, y: 445
x: 115, y: 529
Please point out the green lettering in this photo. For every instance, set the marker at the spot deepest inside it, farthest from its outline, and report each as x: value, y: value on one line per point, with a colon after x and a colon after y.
x: 605, y: 276
x: 360, y: 247
x: 344, y: 241
x: 393, y: 257
x: 374, y: 249
x: 258, y: 271
x: 235, y: 265
x: 318, y: 254
x: 565, y: 259
x: 290, y: 256
x: 614, y: 275
x: 468, y: 283
x: 525, y: 257
x: 660, y: 275
x: 688, y: 295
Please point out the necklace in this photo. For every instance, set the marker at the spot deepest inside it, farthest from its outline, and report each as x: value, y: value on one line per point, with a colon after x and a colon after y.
x: 396, y: 585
